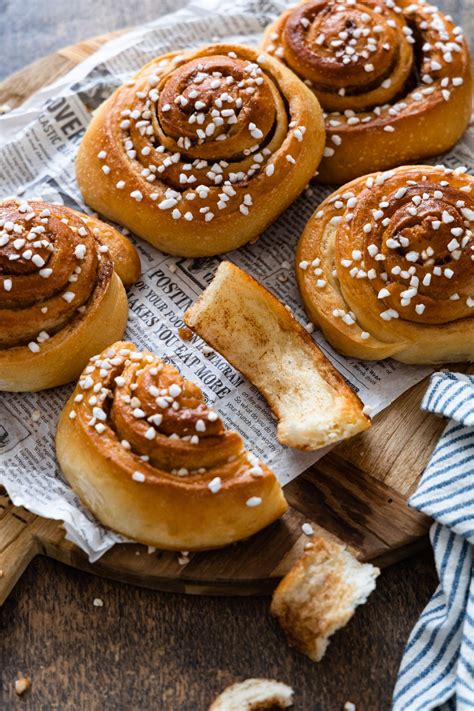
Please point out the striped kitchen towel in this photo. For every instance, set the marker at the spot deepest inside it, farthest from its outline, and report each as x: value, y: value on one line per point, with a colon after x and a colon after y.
x: 437, y: 669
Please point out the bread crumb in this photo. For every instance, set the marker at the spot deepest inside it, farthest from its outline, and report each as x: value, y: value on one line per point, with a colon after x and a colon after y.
x: 183, y: 559
x: 185, y: 333
x: 320, y: 594
x: 349, y: 706
x: 22, y: 684
x: 98, y: 602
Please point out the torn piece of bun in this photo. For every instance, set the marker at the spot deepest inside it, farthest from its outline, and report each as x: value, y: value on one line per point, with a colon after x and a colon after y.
x: 319, y: 595
x: 254, y: 331
x: 253, y: 694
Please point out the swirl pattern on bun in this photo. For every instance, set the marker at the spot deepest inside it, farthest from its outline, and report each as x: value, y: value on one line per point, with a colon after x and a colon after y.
x: 394, y: 79
x: 61, y: 291
x: 385, y: 266
x: 202, y: 150
x: 152, y: 461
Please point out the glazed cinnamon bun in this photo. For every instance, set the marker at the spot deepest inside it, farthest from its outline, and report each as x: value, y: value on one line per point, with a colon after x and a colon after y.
x: 151, y: 460
x: 62, y: 295
x: 385, y: 266
x: 394, y: 78
x: 202, y: 149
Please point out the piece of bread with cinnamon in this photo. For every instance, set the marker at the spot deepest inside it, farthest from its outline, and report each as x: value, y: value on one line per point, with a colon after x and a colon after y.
x: 320, y: 594
x: 257, y: 334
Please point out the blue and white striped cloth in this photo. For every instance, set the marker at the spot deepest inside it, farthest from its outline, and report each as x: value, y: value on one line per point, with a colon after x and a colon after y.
x: 437, y: 669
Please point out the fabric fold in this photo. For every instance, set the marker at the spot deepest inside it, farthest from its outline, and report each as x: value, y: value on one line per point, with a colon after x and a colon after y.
x: 437, y: 669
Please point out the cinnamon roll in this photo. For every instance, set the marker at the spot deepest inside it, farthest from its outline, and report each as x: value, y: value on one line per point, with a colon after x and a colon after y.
x: 62, y: 295
x: 385, y: 266
x: 394, y: 78
x: 202, y: 149
x: 151, y: 460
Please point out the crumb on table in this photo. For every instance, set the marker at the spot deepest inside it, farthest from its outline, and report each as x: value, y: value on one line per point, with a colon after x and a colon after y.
x: 22, y: 684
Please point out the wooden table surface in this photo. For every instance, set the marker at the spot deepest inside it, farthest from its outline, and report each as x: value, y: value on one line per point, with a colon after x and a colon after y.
x: 149, y: 650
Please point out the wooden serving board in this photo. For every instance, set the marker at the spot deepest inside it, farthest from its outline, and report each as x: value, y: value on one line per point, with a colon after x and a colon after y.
x: 358, y: 492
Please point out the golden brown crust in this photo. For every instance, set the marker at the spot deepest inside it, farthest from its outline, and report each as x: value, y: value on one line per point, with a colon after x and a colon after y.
x: 385, y: 266
x: 202, y: 150
x: 394, y: 79
x: 319, y: 595
x: 139, y: 445
x: 258, y: 336
x: 60, y: 296
x: 121, y: 250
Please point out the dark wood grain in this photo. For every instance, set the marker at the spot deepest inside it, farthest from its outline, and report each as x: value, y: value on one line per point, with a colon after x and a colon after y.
x: 147, y: 650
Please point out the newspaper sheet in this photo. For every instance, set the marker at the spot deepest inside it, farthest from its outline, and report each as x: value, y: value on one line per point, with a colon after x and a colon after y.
x: 38, y: 143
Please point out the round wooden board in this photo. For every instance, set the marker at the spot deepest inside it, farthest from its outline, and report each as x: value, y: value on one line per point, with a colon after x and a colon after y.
x: 357, y: 493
